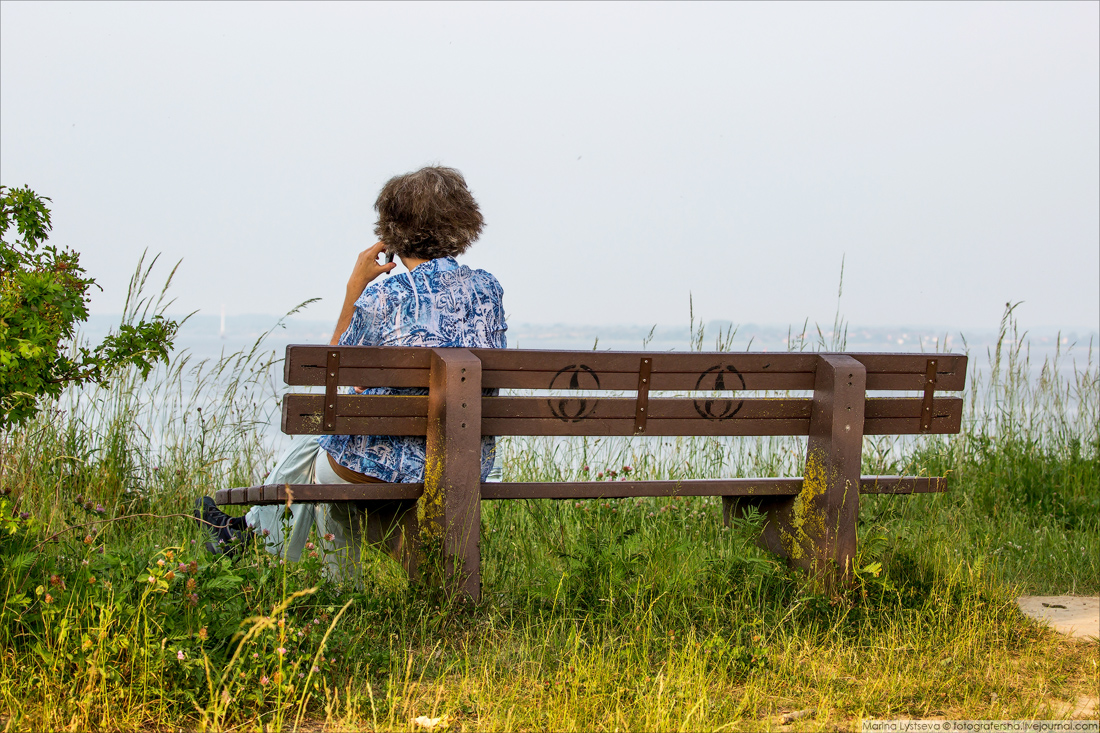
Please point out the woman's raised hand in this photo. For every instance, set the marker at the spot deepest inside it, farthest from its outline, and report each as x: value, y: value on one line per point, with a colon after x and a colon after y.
x: 367, y: 268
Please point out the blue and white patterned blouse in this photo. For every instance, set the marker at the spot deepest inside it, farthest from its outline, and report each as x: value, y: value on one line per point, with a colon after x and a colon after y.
x: 440, y: 303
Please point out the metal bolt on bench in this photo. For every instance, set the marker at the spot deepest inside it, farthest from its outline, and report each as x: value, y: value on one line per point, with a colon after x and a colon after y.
x: 811, y: 519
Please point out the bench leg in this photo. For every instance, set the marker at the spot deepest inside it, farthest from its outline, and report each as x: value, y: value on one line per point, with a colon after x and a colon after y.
x: 816, y: 530
x: 449, y: 512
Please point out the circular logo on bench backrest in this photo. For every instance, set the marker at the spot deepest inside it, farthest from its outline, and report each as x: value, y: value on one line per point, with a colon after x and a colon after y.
x: 574, y: 409
x: 719, y: 378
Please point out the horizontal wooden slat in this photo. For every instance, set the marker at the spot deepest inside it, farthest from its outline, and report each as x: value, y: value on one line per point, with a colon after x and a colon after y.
x: 357, y: 377
x: 623, y: 489
x: 309, y: 493
x: 744, y: 487
x: 902, y: 484
x: 539, y: 369
x: 571, y: 408
x: 312, y: 425
x: 698, y: 362
x: 384, y: 357
x: 588, y: 416
x: 360, y: 405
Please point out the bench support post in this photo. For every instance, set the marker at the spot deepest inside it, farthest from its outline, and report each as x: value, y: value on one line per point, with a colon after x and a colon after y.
x: 816, y: 530
x: 449, y: 512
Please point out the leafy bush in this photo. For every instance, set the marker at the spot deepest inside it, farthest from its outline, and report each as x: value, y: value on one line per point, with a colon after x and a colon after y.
x: 43, y: 296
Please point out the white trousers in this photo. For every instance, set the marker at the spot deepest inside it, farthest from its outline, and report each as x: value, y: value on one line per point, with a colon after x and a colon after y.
x: 341, y: 527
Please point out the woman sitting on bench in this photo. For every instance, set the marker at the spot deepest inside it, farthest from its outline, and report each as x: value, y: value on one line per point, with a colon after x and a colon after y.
x: 425, y: 218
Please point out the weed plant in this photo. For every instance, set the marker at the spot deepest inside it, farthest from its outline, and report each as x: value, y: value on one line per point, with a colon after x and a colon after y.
x: 640, y: 614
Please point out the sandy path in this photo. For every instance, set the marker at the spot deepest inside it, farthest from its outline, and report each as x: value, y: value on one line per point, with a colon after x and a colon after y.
x: 1076, y: 616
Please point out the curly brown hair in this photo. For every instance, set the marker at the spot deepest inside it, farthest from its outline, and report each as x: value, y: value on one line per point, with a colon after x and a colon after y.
x: 427, y: 214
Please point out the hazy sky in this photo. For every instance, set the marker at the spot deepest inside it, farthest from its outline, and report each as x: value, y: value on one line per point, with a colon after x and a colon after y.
x: 624, y: 155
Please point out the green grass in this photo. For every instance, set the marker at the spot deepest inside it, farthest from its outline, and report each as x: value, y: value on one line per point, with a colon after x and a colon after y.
x: 628, y: 614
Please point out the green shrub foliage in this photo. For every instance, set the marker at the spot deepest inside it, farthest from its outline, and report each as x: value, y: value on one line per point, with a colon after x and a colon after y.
x: 43, y: 297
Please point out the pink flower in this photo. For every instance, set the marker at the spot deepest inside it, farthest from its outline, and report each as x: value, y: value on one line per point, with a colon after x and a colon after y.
x: 264, y: 680
x: 180, y: 655
x: 315, y: 669
x: 330, y: 537
x: 309, y: 545
x: 281, y: 650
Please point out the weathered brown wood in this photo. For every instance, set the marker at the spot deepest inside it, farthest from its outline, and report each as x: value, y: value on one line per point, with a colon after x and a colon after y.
x: 332, y: 371
x: 929, y: 395
x: 359, y: 377
x: 902, y: 484
x: 682, y: 381
x: 406, y: 415
x: 449, y: 510
x: 697, y: 362
x: 535, y: 369
x: 816, y: 530
x: 361, y: 405
x: 623, y: 489
x: 641, y: 405
x: 738, y: 487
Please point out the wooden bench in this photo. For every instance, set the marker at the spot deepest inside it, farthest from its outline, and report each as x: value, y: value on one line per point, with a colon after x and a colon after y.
x: 811, y: 519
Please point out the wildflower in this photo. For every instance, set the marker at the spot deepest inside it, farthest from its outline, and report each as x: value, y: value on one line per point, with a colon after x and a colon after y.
x: 281, y: 651
x: 160, y: 563
x: 193, y: 567
x: 309, y: 545
x: 301, y: 633
x: 99, y: 509
x: 313, y: 553
x: 267, y: 532
x: 84, y: 562
x: 627, y: 469
x: 48, y: 598
x: 182, y: 567
x: 191, y: 584
x: 193, y: 599
x: 152, y: 579
x: 88, y: 506
x: 57, y: 580
x: 169, y: 576
x: 301, y: 675
x: 264, y: 680
x: 202, y: 633
x: 24, y: 515
x: 88, y: 539
x: 599, y: 475
x: 255, y: 655
x: 180, y: 655
x: 585, y: 469
x: 316, y: 621
x: 79, y: 499
x: 329, y: 537
x: 169, y: 554
x: 315, y: 669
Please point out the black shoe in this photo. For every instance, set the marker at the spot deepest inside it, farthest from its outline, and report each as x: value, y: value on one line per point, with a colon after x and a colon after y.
x: 229, y: 533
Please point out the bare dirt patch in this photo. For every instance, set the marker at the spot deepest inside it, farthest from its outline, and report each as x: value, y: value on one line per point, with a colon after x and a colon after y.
x: 1074, y: 616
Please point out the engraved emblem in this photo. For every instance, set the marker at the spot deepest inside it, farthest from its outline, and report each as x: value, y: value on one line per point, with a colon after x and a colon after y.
x: 574, y: 409
x: 716, y: 379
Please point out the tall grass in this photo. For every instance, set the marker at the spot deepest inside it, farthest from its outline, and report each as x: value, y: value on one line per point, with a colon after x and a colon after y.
x: 636, y: 613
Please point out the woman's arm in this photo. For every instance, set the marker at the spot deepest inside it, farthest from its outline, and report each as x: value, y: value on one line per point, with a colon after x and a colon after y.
x: 365, y: 271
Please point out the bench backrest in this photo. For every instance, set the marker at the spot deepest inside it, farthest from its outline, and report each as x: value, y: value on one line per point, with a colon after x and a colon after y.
x: 578, y: 380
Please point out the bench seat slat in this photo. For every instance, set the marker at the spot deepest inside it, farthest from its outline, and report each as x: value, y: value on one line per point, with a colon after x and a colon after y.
x: 744, y: 487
